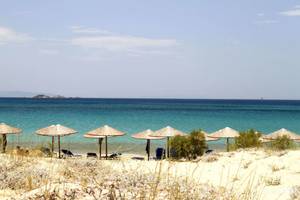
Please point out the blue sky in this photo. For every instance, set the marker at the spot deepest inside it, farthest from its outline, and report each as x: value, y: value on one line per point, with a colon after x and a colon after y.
x: 165, y: 49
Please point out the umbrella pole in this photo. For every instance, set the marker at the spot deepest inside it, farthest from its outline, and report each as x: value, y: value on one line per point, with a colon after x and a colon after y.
x: 168, y: 148
x: 106, y: 147
x: 52, y: 146
x: 227, y: 141
x: 4, y: 143
x: 100, y: 142
x: 58, y: 140
x: 149, y: 149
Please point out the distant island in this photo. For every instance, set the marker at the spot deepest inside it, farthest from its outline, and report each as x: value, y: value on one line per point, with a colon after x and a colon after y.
x: 43, y: 96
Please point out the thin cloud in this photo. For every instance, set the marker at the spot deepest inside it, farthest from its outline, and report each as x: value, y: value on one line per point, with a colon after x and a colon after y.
x: 8, y: 35
x: 122, y: 43
x: 260, y: 14
x: 50, y: 52
x: 84, y: 30
x: 292, y: 12
x: 266, y: 22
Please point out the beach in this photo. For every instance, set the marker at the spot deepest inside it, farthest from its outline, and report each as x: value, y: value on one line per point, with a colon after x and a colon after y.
x: 245, y: 174
x: 149, y: 100
x: 242, y: 174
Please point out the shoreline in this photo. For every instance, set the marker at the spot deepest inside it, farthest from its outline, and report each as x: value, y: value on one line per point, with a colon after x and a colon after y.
x: 85, y: 147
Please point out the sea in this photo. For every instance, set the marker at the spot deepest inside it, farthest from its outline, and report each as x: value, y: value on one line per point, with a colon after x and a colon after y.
x: 135, y: 115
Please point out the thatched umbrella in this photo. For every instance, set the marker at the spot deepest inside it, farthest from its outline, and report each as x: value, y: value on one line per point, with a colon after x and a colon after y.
x: 282, y: 132
x: 146, y: 135
x: 225, y: 133
x: 100, y: 139
x: 168, y: 132
x: 106, y: 131
x: 53, y: 131
x: 208, y: 137
x: 4, y: 130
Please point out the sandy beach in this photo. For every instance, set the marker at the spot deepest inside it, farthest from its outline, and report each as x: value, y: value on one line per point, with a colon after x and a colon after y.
x: 251, y: 174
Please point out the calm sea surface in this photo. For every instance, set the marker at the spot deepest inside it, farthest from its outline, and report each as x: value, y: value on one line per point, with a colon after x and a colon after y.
x: 134, y: 115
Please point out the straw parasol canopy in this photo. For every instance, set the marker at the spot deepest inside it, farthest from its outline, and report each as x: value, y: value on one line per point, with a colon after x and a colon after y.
x: 168, y: 132
x: 7, y: 129
x: 56, y: 131
x: 282, y: 132
x: 105, y: 131
x: 146, y: 135
x: 100, y: 139
x: 262, y: 139
x: 208, y: 137
x: 227, y: 133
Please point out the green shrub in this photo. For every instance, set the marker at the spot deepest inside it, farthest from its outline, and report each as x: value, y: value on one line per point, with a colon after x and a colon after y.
x: 180, y: 147
x: 188, y: 146
x: 198, y: 143
x: 282, y: 143
x: 248, y: 139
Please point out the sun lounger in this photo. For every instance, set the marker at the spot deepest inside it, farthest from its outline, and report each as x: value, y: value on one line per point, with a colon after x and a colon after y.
x: 137, y: 158
x: 173, y: 153
x: 114, y: 155
x: 209, y: 151
x: 91, y: 155
x: 68, y: 153
x: 160, y: 153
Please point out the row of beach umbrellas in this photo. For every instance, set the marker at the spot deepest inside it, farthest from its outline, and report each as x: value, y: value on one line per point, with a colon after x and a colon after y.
x: 107, y: 131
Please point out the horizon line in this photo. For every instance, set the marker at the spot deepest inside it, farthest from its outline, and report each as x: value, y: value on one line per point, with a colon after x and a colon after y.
x: 160, y: 98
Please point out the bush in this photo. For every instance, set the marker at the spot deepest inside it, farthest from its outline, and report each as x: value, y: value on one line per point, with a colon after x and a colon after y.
x: 180, y: 147
x: 198, y: 143
x: 188, y: 146
x: 282, y: 143
x: 248, y: 139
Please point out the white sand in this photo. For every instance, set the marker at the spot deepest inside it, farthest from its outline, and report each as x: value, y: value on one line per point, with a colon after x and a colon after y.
x: 272, y: 174
x: 267, y: 175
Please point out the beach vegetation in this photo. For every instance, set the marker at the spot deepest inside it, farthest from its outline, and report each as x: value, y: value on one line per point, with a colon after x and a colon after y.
x: 248, y: 139
x: 271, y: 181
x: 282, y: 143
x: 198, y: 144
x: 189, y: 147
x: 247, y: 164
x: 276, y: 168
x: 295, y: 194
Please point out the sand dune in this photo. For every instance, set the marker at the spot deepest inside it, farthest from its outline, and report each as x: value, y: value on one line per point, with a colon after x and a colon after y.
x: 236, y: 175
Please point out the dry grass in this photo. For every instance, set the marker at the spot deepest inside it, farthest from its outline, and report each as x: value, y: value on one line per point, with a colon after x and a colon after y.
x: 276, y: 167
x: 295, y: 194
x: 272, y: 180
x: 93, y: 179
x: 247, y: 164
x: 29, y: 176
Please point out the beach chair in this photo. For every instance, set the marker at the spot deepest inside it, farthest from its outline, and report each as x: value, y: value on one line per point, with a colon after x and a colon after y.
x: 68, y: 153
x: 173, y: 153
x: 114, y: 155
x: 91, y: 155
x: 209, y: 151
x: 160, y: 153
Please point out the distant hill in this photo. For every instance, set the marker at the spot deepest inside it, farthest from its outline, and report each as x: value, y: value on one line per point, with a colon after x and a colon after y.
x: 43, y: 96
x: 20, y: 94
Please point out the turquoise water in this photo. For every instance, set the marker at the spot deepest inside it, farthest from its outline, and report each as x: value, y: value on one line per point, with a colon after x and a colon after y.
x: 134, y: 115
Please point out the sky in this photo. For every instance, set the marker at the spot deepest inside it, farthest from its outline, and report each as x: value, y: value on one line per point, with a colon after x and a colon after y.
x: 151, y: 49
